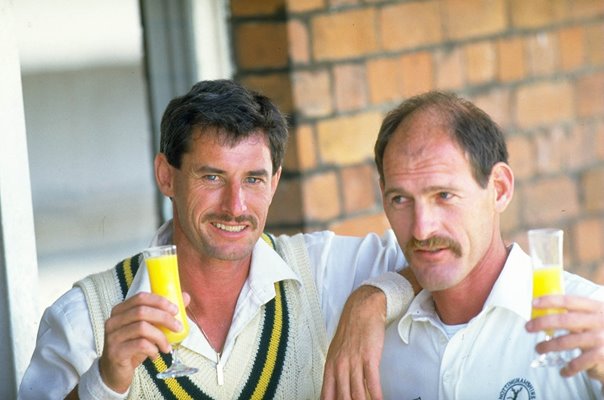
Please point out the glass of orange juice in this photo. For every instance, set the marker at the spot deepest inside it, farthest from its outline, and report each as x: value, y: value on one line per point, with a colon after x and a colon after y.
x: 546, y: 256
x: 162, y: 266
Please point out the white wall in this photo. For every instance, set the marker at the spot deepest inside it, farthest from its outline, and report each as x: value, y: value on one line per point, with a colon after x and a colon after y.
x: 91, y: 170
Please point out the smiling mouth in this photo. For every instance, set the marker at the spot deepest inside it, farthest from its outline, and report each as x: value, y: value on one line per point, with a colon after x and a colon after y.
x: 229, y: 228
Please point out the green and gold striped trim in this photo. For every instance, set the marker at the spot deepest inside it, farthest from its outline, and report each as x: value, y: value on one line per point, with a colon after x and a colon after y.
x: 270, y: 356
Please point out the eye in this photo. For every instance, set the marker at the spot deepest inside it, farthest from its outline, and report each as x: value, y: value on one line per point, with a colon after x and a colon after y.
x: 210, y: 178
x: 398, y: 200
x: 445, y: 195
x: 253, y: 180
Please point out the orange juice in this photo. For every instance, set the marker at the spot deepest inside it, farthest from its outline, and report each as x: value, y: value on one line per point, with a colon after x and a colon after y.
x: 163, y: 274
x: 547, y: 280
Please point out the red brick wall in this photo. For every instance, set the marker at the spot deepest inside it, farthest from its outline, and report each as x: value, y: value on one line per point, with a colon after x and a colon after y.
x: 336, y: 67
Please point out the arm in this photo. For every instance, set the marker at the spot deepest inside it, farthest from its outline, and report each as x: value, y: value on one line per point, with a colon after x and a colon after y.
x: 352, y: 366
x: 584, y: 321
x: 65, y: 354
x: 132, y: 335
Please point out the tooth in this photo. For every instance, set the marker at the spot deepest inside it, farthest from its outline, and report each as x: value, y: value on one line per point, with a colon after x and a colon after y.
x: 228, y: 228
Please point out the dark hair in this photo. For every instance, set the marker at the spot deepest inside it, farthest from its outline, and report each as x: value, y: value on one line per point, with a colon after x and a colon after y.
x: 233, y: 110
x: 477, y: 134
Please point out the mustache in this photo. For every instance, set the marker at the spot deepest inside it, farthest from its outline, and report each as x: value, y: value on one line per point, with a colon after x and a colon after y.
x: 434, y: 243
x: 229, y: 218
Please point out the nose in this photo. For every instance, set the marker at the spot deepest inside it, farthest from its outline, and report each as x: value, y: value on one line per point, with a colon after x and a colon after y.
x: 233, y: 201
x: 424, y: 221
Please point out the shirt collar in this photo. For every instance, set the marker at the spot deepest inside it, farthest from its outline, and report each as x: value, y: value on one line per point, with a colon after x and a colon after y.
x: 266, y: 268
x: 512, y: 290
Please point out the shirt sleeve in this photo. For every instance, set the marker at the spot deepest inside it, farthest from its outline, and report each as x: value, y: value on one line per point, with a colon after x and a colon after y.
x: 64, y: 351
x: 340, y: 264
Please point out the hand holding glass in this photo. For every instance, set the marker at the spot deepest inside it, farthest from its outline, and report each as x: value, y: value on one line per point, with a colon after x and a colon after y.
x: 162, y: 266
x: 546, y: 255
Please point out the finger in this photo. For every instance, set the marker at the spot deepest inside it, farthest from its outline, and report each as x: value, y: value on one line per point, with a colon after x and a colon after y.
x: 155, y: 316
x: 372, y: 381
x: 569, y: 303
x: 591, y: 361
x: 571, y: 321
x: 357, y: 382
x: 343, y: 384
x: 328, y: 391
x: 137, y: 331
x: 145, y: 299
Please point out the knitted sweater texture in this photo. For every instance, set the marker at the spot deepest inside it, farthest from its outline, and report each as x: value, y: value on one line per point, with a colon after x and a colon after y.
x: 280, y: 354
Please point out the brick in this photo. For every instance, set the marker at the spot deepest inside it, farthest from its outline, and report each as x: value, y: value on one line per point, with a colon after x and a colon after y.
x: 550, y: 201
x: 542, y: 54
x: 321, y: 197
x: 361, y: 225
x: 261, y: 45
x: 592, y: 183
x: 295, y: 6
x: 551, y: 150
x: 360, y: 188
x: 356, y: 26
x: 586, y: 8
x: 275, y: 86
x: 312, y: 93
x: 537, y: 13
x: 590, y: 95
x: 286, y: 207
x: 299, y: 48
x: 471, y: 18
x: 246, y: 8
x: 511, y: 61
x: 598, y: 274
x: 417, y: 73
x: 521, y: 156
x: 301, y: 149
x: 348, y: 140
x: 306, y: 147
x: 599, y: 141
x: 588, y: 238
x: 594, y: 44
x: 350, y: 84
x: 544, y: 103
x: 571, y: 47
x: 449, y: 69
x: 496, y: 103
x: 385, y: 80
x: 480, y: 62
x: 409, y: 25
x: 579, y: 150
x: 339, y: 3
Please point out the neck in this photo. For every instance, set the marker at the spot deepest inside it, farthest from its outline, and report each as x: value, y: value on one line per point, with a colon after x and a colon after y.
x: 214, y: 287
x: 461, y: 303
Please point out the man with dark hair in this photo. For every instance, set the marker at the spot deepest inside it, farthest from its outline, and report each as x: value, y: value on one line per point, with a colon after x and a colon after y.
x: 445, y: 181
x: 261, y: 308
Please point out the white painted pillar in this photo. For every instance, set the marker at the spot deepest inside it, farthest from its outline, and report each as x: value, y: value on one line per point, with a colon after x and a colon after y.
x: 18, y: 263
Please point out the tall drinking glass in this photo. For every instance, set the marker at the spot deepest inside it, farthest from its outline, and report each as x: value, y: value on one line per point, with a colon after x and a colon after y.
x: 162, y: 266
x: 546, y: 255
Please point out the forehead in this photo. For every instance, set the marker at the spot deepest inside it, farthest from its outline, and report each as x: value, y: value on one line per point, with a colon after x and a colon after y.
x: 423, y: 145
x: 212, y: 145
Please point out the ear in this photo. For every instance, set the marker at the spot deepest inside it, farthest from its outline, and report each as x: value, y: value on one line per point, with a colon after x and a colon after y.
x: 275, y: 181
x: 503, y: 183
x: 164, y: 175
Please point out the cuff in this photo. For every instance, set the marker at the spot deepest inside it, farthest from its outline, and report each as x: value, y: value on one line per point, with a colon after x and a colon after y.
x: 398, y: 291
x: 92, y: 386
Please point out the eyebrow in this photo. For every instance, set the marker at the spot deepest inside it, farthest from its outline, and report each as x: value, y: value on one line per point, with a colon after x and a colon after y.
x: 429, y: 189
x: 207, y: 169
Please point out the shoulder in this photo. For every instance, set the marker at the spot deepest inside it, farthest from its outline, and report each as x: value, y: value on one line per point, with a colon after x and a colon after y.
x: 71, y: 304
